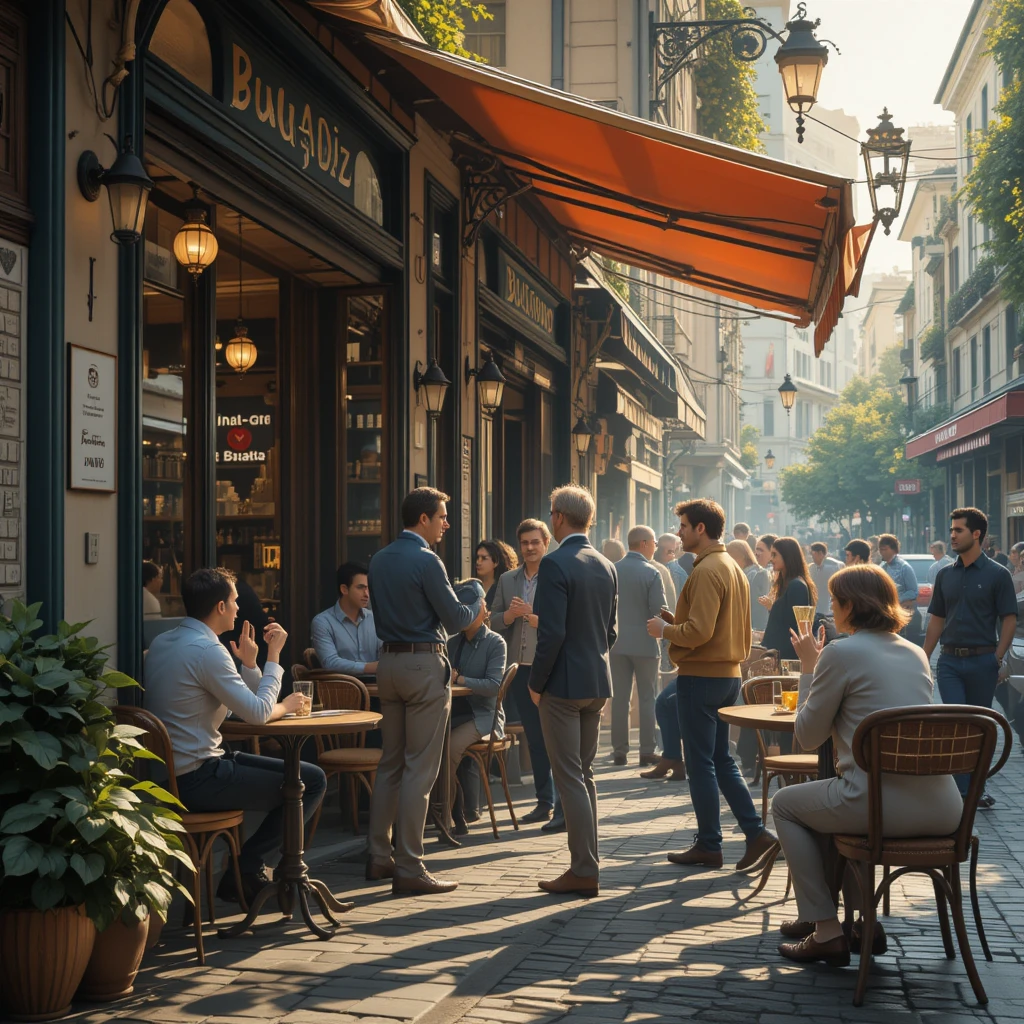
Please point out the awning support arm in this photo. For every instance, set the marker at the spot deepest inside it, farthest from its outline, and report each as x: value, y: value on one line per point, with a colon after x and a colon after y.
x: 483, y: 192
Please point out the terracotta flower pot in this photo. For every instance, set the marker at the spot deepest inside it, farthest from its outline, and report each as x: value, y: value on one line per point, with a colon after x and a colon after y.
x: 116, y: 958
x: 156, y: 927
x: 43, y: 955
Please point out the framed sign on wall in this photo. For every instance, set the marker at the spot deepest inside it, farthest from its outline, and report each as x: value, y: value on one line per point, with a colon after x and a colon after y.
x: 92, y: 420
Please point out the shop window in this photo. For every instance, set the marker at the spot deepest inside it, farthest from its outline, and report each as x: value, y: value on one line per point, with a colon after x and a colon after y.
x: 986, y: 360
x: 1013, y: 464
x: 487, y: 38
x: 181, y: 42
x: 958, y: 389
x: 974, y: 365
x: 164, y: 463
x: 368, y: 195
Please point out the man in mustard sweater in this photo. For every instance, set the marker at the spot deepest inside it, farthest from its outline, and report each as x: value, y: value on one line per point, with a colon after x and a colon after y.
x: 709, y: 639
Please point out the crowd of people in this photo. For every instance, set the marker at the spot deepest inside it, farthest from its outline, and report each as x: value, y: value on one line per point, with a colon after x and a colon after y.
x: 585, y: 627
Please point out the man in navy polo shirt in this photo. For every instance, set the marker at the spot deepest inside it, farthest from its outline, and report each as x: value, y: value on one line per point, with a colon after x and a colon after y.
x: 974, y: 613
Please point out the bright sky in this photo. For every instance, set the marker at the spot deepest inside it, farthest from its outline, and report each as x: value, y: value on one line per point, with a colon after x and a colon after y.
x: 894, y: 53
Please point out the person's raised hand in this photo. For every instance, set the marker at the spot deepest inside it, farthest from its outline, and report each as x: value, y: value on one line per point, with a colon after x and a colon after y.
x: 808, y: 647
x: 765, y: 600
x: 275, y: 637
x: 246, y: 649
x: 656, y: 627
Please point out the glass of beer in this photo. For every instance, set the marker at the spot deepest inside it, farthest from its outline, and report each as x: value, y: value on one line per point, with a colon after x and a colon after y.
x: 305, y: 688
x: 804, y: 615
x: 790, y: 695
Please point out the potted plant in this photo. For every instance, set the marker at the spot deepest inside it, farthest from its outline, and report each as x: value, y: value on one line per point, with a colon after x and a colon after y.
x: 72, y: 820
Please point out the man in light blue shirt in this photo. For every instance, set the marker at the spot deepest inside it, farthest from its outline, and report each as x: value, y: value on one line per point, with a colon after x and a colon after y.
x: 898, y: 570
x: 938, y: 550
x: 344, y: 635
x: 191, y: 683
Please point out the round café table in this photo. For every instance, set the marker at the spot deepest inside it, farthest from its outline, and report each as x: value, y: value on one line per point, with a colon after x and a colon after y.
x: 293, y: 883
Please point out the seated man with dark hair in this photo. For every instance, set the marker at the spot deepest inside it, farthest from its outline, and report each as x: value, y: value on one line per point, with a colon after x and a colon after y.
x: 344, y: 635
x: 191, y: 685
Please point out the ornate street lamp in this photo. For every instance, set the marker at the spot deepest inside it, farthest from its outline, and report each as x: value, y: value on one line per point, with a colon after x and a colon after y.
x: 886, y: 155
x: 490, y: 384
x: 128, y: 187
x: 769, y: 459
x: 801, y: 58
x: 581, y: 435
x: 787, y: 392
x: 195, y: 244
x: 434, y: 383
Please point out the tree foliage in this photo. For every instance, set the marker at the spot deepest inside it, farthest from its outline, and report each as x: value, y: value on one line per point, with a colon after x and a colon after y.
x: 729, y: 110
x: 854, y: 458
x: 995, y: 186
x: 443, y: 22
x: 749, y: 457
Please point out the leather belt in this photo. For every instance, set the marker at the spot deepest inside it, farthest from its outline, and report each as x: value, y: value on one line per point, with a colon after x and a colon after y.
x: 421, y: 648
x: 966, y: 652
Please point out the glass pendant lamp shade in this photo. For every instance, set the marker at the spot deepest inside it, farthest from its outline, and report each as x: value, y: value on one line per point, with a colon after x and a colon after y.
x: 195, y: 244
x: 490, y: 383
x: 434, y: 384
x: 800, y: 60
x: 128, y: 188
x: 581, y: 435
x: 240, y: 351
x: 787, y: 392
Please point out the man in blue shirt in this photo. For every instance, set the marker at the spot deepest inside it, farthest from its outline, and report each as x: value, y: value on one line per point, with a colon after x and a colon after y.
x: 344, y: 635
x: 413, y: 606
x: 974, y: 612
x: 901, y: 572
x: 938, y: 550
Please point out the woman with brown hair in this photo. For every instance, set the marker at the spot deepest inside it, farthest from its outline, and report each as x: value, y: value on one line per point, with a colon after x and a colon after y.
x: 792, y: 586
x: 493, y: 557
x: 841, y: 684
x: 758, y: 578
x: 763, y: 550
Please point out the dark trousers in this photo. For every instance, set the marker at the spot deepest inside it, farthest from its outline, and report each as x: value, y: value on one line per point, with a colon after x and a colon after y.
x: 967, y: 681
x: 709, y: 765
x: 667, y: 716
x: 248, y: 782
x: 529, y: 716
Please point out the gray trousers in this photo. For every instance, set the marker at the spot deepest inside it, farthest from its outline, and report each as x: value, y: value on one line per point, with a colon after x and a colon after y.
x: 625, y: 668
x: 571, y: 729
x: 415, y: 700
x: 807, y: 813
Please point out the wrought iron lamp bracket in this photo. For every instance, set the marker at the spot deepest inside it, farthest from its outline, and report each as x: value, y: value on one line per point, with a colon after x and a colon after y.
x: 483, y: 192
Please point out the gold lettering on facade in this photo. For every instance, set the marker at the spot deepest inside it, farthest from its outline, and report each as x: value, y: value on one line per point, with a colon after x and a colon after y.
x: 265, y: 113
x: 306, y: 131
x: 342, y: 177
x: 527, y: 301
x: 289, y: 135
x: 241, y: 94
x: 323, y: 144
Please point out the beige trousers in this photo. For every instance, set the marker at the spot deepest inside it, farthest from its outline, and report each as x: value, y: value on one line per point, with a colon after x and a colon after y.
x: 626, y: 668
x: 571, y: 729
x: 415, y: 700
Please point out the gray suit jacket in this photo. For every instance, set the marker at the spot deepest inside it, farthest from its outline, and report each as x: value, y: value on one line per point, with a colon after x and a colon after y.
x: 520, y: 637
x: 576, y: 608
x: 641, y: 597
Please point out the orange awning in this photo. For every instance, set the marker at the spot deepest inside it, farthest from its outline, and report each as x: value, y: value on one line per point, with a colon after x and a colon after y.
x: 847, y: 282
x: 720, y: 218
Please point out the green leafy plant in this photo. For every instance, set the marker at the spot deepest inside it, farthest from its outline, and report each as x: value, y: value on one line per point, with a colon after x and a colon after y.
x: 443, y: 22
x: 933, y: 344
x: 75, y: 826
x: 972, y: 291
x: 749, y: 457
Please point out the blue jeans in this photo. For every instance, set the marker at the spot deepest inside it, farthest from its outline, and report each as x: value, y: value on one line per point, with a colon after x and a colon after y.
x: 249, y: 782
x: 709, y: 765
x: 967, y: 681
x: 529, y: 716
x: 667, y: 716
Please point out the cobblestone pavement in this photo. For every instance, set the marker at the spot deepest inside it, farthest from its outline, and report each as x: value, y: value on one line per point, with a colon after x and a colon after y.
x: 661, y: 943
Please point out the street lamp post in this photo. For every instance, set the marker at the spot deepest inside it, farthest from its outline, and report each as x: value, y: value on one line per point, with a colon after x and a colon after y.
x: 787, y: 392
x: 886, y: 155
x: 801, y: 57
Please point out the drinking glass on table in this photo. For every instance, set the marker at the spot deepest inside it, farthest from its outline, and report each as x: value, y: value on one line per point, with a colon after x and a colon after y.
x: 304, y: 687
x: 777, y: 694
x: 804, y: 615
x: 790, y: 694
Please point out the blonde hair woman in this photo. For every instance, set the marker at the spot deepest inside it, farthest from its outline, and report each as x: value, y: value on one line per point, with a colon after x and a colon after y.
x: 759, y: 579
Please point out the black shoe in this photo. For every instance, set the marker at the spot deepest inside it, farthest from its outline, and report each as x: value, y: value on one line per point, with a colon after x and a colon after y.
x: 621, y: 759
x: 472, y: 815
x: 542, y: 812
x: 986, y: 802
x: 252, y: 883
x: 556, y: 824
x: 461, y: 828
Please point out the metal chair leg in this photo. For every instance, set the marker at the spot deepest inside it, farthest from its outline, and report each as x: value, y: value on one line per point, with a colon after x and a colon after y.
x: 484, y: 772
x: 941, y: 906
x: 956, y: 905
x: 508, y: 795
x: 866, y: 875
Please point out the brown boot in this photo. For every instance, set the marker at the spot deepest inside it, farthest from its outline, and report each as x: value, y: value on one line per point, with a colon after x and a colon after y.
x: 378, y: 872
x: 757, y: 850
x: 649, y: 759
x: 696, y: 856
x: 420, y: 885
x: 662, y: 768
x: 567, y: 883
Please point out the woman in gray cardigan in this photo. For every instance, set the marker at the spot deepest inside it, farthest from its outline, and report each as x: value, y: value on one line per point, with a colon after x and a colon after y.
x: 871, y: 669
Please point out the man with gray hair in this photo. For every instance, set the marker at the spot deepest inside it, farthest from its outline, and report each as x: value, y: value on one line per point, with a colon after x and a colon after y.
x: 571, y: 677
x: 636, y: 653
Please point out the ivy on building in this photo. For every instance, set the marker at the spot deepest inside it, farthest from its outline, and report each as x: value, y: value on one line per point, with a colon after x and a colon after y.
x: 972, y: 291
x: 907, y: 302
x: 443, y: 22
x: 995, y: 186
x: 933, y: 344
x: 729, y: 110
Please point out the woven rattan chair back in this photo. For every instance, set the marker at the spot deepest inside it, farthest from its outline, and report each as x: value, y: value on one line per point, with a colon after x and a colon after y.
x: 339, y: 692
x: 310, y: 659
x: 933, y: 739
x: 765, y: 665
x: 155, y: 739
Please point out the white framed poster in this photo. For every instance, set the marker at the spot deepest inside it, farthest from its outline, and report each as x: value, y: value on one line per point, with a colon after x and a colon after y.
x: 92, y: 420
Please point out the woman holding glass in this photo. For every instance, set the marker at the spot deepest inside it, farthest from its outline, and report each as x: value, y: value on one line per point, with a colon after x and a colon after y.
x: 792, y: 591
x: 840, y: 685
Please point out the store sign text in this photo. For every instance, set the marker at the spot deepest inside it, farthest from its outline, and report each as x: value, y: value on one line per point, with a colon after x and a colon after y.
x: 306, y: 132
x: 518, y: 291
x: 243, y: 436
x: 908, y: 487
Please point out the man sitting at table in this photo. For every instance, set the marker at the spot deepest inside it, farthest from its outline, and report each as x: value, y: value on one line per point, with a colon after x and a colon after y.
x: 191, y: 684
x: 344, y: 636
x: 478, y: 657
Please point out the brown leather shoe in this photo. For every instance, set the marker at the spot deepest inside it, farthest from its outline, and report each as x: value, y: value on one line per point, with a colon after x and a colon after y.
x: 879, y: 945
x: 579, y: 885
x: 757, y: 850
x: 796, y: 929
x: 424, y: 884
x: 695, y: 855
x: 662, y: 768
x: 650, y: 759
x: 835, y: 952
x: 378, y: 872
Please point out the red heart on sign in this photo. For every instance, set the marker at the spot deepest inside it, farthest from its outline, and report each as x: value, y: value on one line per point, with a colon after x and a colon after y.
x: 239, y: 439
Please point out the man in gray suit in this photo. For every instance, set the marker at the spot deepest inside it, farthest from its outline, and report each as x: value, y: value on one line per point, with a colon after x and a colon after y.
x: 636, y: 653
x: 571, y: 678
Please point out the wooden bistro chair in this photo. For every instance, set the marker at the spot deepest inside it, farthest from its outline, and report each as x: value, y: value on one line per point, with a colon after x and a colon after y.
x: 202, y: 828
x: 491, y: 746
x: 309, y: 658
x: 760, y: 662
x: 933, y: 739
x: 784, y: 767
x: 346, y: 756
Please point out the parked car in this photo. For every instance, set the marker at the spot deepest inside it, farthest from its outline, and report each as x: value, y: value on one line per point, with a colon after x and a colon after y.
x: 921, y: 565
